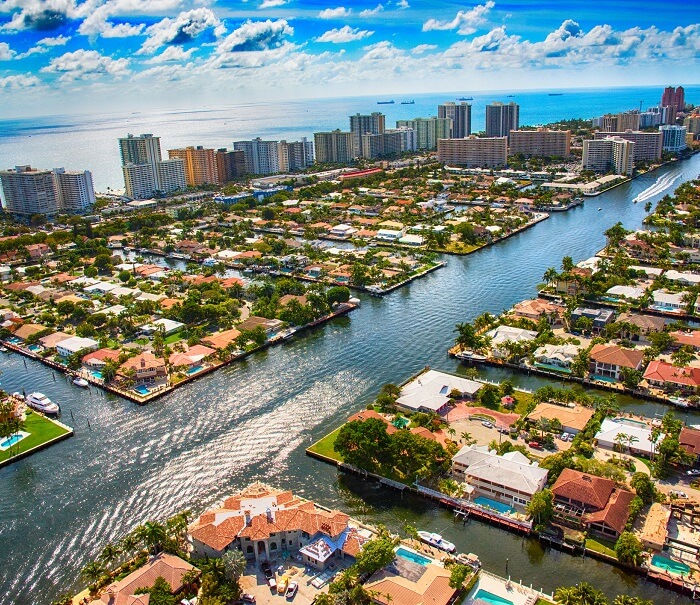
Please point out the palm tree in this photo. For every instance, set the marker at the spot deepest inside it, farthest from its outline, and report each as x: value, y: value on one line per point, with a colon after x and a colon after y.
x: 92, y: 572
x: 235, y: 563
x: 110, y: 553
x: 451, y: 432
x: 152, y: 534
x: 467, y: 438
x: 630, y: 440
x: 128, y: 544
x: 550, y: 276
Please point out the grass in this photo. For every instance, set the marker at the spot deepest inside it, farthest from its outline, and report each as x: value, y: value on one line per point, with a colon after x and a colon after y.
x: 542, y: 601
x: 41, y: 430
x: 605, y: 547
x: 324, y: 447
x: 173, y: 338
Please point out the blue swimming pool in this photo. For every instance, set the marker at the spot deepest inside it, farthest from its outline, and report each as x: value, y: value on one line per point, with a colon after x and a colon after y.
x: 489, y: 597
x: 97, y: 374
x: 141, y: 390
x: 504, y: 509
x: 670, y: 565
x: 412, y: 556
x: 8, y: 442
x: 194, y: 370
x: 34, y: 348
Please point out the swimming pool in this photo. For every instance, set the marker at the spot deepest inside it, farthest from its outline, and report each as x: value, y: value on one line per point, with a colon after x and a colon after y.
x: 401, y: 423
x: 142, y: 390
x: 489, y: 597
x: 412, y: 556
x: 504, y: 509
x: 97, y: 374
x: 8, y: 442
x: 194, y: 370
x: 670, y: 565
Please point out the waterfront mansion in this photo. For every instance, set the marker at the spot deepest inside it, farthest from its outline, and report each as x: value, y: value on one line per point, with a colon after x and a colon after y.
x: 266, y: 523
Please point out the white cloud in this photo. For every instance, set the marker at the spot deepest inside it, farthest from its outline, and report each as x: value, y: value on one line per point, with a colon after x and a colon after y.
x: 344, y: 34
x: 465, y: 22
x: 6, y: 53
x: 256, y: 36
x: 368, y: 12
x: 18, y: 82
x: 183, y: 28
x: 43, y: 46
x: 334, y: 13
x: 423, y: 48
x: 85, y: 65
x: 97, y: 18
x: 42, y: 15
x: 171, y: 54
x: 403, y: 4
x: 57, y: 41
x: 272, y: 3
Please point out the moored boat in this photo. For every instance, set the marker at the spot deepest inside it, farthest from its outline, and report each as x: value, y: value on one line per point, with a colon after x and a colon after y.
x: 80, y: 382
x: 41, y: 403
x: 436, y: 540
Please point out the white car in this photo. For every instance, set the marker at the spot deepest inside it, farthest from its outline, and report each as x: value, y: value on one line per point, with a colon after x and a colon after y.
x: 693, y: 472
x: 487, y: 424
x: 677, y: 493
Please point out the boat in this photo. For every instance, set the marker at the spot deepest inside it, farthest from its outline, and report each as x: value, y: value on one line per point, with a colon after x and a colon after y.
x: 210, y: 262
x: 436, y: 541
x: 556, y: 94
x: 3, y: 349
x: 599, y: 208
x: 385, y: 102
x: 471, y: 559
x: 408, y: 102
x: 80, y: 382
x: 41, y: 403
x: 465, y: 99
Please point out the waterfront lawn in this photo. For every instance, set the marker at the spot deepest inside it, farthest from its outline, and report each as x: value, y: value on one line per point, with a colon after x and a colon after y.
x: 173, y: 338
x: 40, y: 431
x: 324, y: 447
x: 605, y: 547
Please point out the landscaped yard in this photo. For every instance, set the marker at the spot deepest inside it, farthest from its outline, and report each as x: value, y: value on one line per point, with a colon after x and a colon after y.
x: 40, y: 431
x: 173, y: 338
x: 601, y: 545
x: 324, y: 447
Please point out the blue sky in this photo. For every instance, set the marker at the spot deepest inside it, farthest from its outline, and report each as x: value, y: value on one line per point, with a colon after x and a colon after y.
x: 74, y: 55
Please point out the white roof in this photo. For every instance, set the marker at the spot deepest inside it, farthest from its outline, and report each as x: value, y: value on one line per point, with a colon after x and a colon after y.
x: 411, y: 239
x: 169, y: 325
x: 149, y: 296
x: 75, y: 344
x: 626, y: 291
x: 127, y: 266
x: 224, y: 254
x: 564, y: 353
x: 113, y: 310
x: 661, y: 296
x: 589, y: 263
x: 101, y: 286
x: 344, y: 227
x: 502, y: 334
x: 432, y: 388
x: 648, y: 270
x: 610, y: 428
x: 493, y: 228
x: 512, y: 470
x: 122, y: 291
x: 683, y: 276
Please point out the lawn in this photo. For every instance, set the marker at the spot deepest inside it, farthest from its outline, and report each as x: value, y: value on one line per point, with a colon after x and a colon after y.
x: 173, y: 338
x: 324, y: 447
x: 41, y: 430
x: 602, y: 546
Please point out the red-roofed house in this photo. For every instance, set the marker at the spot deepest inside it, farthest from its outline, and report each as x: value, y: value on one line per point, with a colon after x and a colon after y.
x: 691, y: 338
x: 97, y: 359
x: 665, y: 375
x: 608, y: 360
x: 690, y: 441
x: 583, y: 500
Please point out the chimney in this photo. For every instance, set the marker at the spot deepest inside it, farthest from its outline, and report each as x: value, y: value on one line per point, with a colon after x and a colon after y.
x: 268, y: 512
x: 247, y: 518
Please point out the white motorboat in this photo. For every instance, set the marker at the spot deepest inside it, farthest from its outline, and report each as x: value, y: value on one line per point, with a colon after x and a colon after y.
x: 41, y: 403
x: 436, y: 541
x: 80, y: 382
x: 3, y: 349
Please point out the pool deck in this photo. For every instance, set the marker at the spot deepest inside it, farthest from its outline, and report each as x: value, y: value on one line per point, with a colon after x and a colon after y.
x: 515, y: 592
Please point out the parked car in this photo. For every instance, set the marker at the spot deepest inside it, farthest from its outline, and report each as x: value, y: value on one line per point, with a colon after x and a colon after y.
x: 272, y: 583
x: 677, y: 493
x: 247, y: 598
x: 267, y: 570
x: 487, y: 424
x: 564, y: 436
x: 504, y: 430
x: 693, y: 472
x: 536, y: 445
x: 291, y: 591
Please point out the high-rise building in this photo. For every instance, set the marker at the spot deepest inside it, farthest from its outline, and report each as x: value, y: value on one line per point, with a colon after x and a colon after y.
x: 385, y: 144
x: 199, y: 165
x: 673, y: 97
x: 428, y: 130
x: 409, y: 140
x: 541, y: 142
x: 461, y: 116
x: 143, y: 149
x: 608, y: 154
x: 502, y: 118
x: 139, y: 181
x: 76, y: 193
x: 334, y: 147
x: 296, y: 155
x: 145, y: 173
x: 230, y: 165
x: 374, y: 123
x: 28, y: 191
x: 474, y: 152
x: 170, y: 176
x: 673, y: 137
x: 692, y: 124
x: 261, y: 157
x: 647, y: 145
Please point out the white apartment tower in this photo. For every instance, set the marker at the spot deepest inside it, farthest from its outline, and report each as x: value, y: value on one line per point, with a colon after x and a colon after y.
x: 76, y: 193
x: 261, y: 157
x: 609, y: 154
x: 28, y: 191
x: 145, y: 172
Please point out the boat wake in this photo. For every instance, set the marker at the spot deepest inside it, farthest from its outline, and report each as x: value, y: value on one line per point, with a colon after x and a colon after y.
x: 661, y: 184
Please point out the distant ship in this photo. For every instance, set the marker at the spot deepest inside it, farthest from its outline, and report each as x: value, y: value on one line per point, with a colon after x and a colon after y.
x: 385, y: 102
x: 556, y: 94
x: 509, y: 96
x: 408, y: 102
x: 465, y: 99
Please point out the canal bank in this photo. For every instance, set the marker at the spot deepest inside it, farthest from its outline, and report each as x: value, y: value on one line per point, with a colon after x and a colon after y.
x: 254, y: 420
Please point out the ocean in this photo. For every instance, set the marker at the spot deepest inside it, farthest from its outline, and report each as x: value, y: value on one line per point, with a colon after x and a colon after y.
x: 89, y: 142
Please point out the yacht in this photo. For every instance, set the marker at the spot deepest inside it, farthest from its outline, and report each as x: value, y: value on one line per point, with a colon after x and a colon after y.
x: 41, y: 403
x: 436, y: 541
x: 80, y: 382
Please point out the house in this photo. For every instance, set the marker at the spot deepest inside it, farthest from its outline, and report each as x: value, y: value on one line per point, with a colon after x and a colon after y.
x: 372, y: 414
x: 685, y: 278
x: 287, y: 298
x: 38, y: 251
x: 51, y: 340
x: 572, y: 419
x: 147, y: 366
x: 668, y: 302
x: 193, y: 357
x: 342, y: 230
x: 636, y: 437
x: 667, y: 376
x: 389, y: 235
x: 539, y: 308
x: 689, y: 440
x: 655, y: 529
x: 599, y: 317
x: 510, y: 478
x: 587, y: 501
x: 98, y: 359
x: 559, y: 356
x: 645, y: 324
x: 502, y: 335
x: 169, y: 567
x: 262, y: 522
x: 27, y: 330
x: 608, y: 361
x: 430, y: 391
x: 269, y: 325
x: 571, y: 283
x: 167, y: 326
x: 626, y: 292
x: 411, y: 240
x: 690, y: 338
x: 220, y: 340
x: 391, y: 586
x: 75, y: 345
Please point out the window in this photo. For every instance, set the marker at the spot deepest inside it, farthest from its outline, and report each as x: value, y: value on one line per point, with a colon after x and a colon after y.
x: 249, y: 549
x: 273, y: 545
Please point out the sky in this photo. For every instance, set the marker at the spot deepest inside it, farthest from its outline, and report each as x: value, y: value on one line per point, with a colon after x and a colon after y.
x: 66, y: 56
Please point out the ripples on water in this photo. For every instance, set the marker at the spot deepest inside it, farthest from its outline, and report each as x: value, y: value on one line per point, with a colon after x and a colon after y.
x: 254, y: 419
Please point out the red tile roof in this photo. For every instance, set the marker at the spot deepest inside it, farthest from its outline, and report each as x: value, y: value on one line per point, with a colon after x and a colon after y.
x: 367, y: 414
x: 616, y: 511
x: 690, y: 440
x: 591, y: 490
x: 662, y: 371
x: 617, y: 356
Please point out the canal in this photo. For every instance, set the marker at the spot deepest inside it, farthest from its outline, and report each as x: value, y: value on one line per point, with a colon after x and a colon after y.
x: 253, y: 420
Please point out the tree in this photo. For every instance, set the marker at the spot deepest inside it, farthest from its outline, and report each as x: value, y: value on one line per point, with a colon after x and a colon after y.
x: 109, y: 555
x: 458, y: 575
x: 631, y: 377
x: 363, y: 444
x: 375, y: 555
x: 683, y: 356
x: 152, y: 534
x: 550, y: 276
x: 628, y: 548
x: 337, y: 294
x: 92, y: 572
x: 581, y: 594
x: 567, y: 264
x: 627, y: 600
x: 235, y: 563
x: 541, y: 507
x: 159, y: 594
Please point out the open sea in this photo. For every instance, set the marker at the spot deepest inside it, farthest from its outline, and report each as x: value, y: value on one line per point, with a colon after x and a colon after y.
x: 89, y: 142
